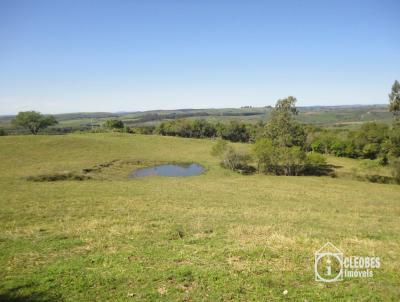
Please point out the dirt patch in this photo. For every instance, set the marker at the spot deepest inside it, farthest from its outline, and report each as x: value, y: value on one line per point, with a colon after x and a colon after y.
x: 60, y: 176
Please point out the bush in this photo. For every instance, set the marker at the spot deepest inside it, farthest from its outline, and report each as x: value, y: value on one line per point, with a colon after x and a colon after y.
x: 265, y: 154
x: 126, y: 129
x: 396, y: 171
x: 114, y: 124
x: 383, y: 161
x: 339, y: 148
x: 394, y: 139
x: 187, y: 128
x: 371, y: 151
x: 234, y: 131
x: 316, y: 165
x: 236, y: 160
x: 2, y: 132
x: 144, y: 129
x: 279, y: 160
x: 231, y: 158
x: 378, y: 179
x: 288, y: 160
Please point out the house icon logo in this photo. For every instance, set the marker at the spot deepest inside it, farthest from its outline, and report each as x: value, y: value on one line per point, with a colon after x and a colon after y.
x: 328, y: 264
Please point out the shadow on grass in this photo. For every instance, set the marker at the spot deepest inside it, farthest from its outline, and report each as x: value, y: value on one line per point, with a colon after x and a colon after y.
x: 15, y: 295
x: 318, y: 170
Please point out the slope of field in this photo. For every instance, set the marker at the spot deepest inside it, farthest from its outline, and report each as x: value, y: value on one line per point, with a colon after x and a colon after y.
x: 219, y: 236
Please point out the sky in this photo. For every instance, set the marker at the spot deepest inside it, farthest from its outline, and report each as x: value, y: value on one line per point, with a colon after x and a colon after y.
x: 61, y: 56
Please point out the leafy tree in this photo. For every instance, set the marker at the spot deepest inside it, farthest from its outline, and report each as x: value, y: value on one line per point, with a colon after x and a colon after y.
x: 114, y: 124
x: 371, y: 151
x: 265, y: 153
x: 279, y: 160
x: 394, y: 99
x: 33, y: 121
x: 393, y: 144
x: 145, y: 129
x: 339, y: 148
x: 316, y: 159
x: 282, y: 128
x: 323, y: 142
x: 202, y: 128
x: 234, y: 131
x: 368, y: 141
x: 292, y: 159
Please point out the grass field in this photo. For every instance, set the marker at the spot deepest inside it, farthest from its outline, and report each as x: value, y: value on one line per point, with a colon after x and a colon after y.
x: 219, y: 236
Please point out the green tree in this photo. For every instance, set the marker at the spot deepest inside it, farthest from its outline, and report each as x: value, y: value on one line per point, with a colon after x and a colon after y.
x: 393, y: 143
x: 394, y: 99
x: 234, y: 131
x: 114, y: 124
x: 33, y: 121
x: 266, y: 156
x: 282, y: 128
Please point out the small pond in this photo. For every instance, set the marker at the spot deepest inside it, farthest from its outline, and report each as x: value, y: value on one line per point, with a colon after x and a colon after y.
x: 170, y: 170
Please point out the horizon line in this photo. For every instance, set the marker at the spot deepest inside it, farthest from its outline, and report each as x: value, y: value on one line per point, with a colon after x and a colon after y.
x: 188, y: 108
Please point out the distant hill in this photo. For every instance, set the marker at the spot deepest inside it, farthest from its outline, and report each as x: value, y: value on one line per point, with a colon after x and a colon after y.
x: 332, y: 116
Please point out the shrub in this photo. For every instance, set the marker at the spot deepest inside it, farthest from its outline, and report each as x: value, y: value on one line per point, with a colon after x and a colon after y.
x: 236, y: 160
x: 378, y: 179
x: 383, y: 161
x: 2, y: 132
x: 231, y: 158
x: 127, y: 129
x: 292, y: 160
x: 234, y: 131
x: 371, y: 150
x: 396, y: 171
x: 279, y: 160
x: 143, y: 129
x: 394, y: 139
x: 316, y: 165
x: 265, y: 154
x: 288, y: 160
x: 339, y: 148
x: 114, y: 124
x: 316, y: 159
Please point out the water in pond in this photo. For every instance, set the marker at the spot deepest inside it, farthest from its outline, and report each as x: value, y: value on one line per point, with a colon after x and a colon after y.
x: 170, y: 170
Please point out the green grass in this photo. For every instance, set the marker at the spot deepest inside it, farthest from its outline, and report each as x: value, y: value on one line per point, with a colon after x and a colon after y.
x: 219, y: 236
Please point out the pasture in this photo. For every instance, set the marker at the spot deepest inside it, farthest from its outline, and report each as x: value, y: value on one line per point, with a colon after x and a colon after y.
x: 219, y: 236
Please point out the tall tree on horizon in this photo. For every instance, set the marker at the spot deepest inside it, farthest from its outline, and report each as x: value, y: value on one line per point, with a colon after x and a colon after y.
x: 283, y: 128
x: 394, y: 99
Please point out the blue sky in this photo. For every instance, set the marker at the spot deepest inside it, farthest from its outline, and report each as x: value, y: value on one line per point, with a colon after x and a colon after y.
x: 68, y: 56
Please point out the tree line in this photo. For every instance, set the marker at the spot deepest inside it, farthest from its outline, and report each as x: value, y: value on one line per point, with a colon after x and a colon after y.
x: 282, y: 145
